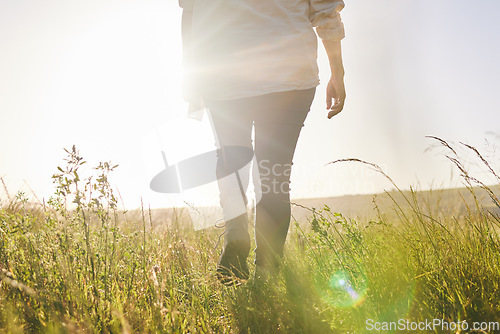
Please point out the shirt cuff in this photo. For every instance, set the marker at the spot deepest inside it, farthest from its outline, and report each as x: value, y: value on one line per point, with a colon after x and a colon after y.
x: 333, y: 33
x: 325, y: 16
x: 186, y: 4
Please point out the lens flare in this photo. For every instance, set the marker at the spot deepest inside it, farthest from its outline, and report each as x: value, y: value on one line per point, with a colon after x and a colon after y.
x: 373, y: 291
x: 343, y: 289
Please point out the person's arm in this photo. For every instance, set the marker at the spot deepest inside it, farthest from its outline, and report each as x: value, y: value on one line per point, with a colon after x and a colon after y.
x: 324, y: 15
x: 189, y: 92
x: 335, y: 90
x: 187, y: 19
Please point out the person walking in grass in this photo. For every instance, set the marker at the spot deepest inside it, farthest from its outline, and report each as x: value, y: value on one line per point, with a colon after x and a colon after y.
x: 253, y: 65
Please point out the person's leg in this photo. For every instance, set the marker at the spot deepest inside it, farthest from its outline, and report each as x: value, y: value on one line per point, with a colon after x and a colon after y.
x: 278, y: 119
x: 277, y: 127
x: 233, y: 128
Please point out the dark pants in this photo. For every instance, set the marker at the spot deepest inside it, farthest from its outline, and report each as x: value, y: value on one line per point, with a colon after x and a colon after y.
x: 277, y: 119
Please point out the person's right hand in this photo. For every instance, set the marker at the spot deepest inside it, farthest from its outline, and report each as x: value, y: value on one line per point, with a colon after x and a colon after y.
x: 335, y: 95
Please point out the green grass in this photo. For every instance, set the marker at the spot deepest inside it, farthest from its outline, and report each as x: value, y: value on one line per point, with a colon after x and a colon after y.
x: 78, y: 265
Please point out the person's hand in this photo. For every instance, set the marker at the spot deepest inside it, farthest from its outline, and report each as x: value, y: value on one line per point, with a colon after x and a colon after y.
x: 335, y: 95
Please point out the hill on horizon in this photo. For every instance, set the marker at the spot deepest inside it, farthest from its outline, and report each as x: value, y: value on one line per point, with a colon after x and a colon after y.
x: 451, y: 202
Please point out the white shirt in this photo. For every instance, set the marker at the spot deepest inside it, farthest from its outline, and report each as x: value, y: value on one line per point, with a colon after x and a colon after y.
x: 243, y: 48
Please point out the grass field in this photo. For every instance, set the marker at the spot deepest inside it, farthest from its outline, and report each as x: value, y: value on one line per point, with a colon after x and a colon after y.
x: 77, y: 264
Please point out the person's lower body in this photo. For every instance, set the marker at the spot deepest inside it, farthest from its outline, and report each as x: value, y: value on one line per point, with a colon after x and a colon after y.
x: 277, y: 119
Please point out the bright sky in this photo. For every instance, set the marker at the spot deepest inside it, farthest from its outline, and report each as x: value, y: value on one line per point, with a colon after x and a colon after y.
x: 105, y: 75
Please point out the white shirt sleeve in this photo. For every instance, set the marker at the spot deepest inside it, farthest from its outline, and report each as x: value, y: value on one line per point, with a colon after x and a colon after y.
x: 325, y: 16
x: 186, y: 4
